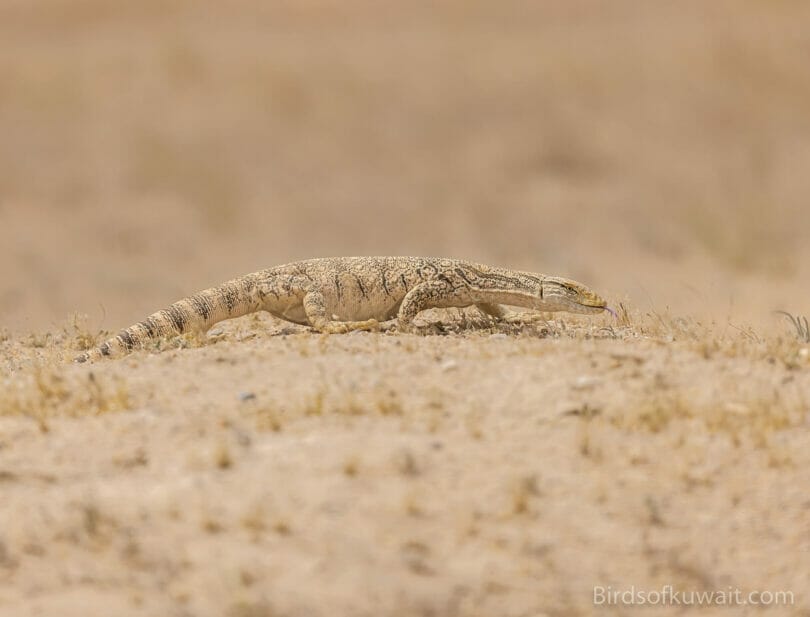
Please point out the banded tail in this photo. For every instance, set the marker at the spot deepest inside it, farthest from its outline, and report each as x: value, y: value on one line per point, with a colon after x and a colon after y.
x: 196, y: 313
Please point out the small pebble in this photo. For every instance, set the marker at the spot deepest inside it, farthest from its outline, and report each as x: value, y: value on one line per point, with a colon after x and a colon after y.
x: 449, y: 365
x: 585, y: 382
x: 247, y: 396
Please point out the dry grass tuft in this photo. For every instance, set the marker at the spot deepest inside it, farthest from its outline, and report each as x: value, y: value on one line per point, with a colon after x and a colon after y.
x: 753, y: 420
x: 654, y: 414
x: 251, y: 609
x: 222, y: 457
x: 800, y: 324
x: 46, y: 393
x: 79, y: 336
x: 524, y: 491
x: 255, y: 520
x: 351, y: 466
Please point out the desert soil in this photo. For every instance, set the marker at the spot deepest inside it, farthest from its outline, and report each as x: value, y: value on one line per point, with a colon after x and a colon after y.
x: 656, y: 151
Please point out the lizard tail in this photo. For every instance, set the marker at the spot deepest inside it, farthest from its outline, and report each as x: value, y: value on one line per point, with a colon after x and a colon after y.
x: 196, y: 313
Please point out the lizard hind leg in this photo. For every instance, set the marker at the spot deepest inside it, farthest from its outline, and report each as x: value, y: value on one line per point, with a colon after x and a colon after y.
x: 318, y: 317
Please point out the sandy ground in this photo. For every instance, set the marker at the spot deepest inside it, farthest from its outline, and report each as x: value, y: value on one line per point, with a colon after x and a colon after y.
x: 656, y: 151
x: 481, y: 473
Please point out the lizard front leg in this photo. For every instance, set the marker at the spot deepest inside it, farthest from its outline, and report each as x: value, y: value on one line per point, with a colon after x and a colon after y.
x: 427, y: 295
x: 318, y: 317
x: 501, y: 313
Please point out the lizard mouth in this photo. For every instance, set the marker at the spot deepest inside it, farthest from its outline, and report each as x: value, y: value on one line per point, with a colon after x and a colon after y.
x: 598, y: 304
x: 597, y: 307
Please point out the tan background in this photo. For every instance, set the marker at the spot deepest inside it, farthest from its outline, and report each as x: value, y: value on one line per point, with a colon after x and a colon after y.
x: 658, y: 151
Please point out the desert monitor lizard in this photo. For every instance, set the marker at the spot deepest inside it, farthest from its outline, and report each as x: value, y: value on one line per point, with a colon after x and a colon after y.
x: 341, y: 294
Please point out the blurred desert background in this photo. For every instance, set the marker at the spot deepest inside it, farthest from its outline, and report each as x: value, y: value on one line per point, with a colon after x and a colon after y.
x: 654, y: 150
x: 657, y: 151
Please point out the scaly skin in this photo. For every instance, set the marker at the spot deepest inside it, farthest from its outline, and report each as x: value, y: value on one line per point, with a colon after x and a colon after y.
x: 340, y: 294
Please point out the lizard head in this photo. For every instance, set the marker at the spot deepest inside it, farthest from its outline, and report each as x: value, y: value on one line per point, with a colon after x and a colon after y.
x: 560, y: 294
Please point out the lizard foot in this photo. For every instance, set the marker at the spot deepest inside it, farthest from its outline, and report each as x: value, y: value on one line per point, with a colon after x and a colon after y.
x: 342, y: 327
